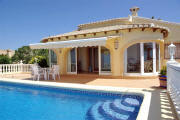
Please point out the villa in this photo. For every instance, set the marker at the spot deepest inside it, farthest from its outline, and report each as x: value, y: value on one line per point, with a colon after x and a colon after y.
x: 7, y: 52
x: 94, y: 62
x: 128, y: 46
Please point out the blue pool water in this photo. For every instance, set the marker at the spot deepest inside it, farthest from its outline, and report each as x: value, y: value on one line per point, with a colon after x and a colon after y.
x: 31, y: 102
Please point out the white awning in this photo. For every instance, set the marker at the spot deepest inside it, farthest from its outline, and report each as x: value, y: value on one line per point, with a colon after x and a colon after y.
x: 71, y: 43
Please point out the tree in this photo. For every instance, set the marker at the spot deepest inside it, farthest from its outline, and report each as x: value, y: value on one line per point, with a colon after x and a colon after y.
x: 4, y: 59
x: 24, y: 53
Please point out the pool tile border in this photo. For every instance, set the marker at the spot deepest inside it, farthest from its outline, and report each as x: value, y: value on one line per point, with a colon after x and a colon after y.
x: 144, y: 109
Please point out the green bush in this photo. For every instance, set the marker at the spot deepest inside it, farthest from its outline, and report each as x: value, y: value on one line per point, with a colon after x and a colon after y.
x: 163, y: 70
x: 4, y: 59
x: 40, y: 60
x: 25, y: 53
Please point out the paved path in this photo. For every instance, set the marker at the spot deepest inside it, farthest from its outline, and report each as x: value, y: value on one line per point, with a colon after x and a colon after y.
x: 96, y: 80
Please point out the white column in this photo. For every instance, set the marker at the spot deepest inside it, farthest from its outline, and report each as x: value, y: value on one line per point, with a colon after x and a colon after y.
x: 0, y: 69
x: 159, y: 58
x: 154, y: 57
x: 142, y: 57
x: 49, y: 58
x: 99, y: 56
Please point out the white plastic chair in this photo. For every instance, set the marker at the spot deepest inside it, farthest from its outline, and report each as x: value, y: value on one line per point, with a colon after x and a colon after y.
x: 38, y: 73
x: 54, y: 71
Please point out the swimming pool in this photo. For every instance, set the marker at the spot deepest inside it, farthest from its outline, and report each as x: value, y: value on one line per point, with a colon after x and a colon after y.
x: 35, y: 102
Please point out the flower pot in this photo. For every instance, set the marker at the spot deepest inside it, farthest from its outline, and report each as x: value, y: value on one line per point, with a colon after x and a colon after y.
x: 163, y: 81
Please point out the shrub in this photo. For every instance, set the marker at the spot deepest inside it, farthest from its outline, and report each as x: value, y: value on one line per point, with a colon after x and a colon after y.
x: 41, y: 60
x: 163, y: 70
x: 4, y: 59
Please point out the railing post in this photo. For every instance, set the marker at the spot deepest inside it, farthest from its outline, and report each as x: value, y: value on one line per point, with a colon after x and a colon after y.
x: 1, y: 69
x: 14, y: 68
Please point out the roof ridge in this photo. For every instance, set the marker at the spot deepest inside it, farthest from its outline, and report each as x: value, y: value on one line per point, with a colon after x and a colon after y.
x: 164, y: 21
x: 101, y: 21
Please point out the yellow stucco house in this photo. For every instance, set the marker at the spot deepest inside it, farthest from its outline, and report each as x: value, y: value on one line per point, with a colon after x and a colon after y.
x: 129, y: 46
x: 7, y: 52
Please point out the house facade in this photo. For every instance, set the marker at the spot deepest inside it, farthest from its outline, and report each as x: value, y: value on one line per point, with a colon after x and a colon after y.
x: 129, y: 46
x: 7, y: 52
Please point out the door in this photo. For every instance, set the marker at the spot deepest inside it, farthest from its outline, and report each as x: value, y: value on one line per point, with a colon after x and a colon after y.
x: 93, y: 59
x: 143, y: 58
x: 148, y: 57
x: 72, y: 61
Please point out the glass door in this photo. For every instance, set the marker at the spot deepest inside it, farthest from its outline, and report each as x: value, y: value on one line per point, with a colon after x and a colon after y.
x: 105, y: 59
x: 143, y: 58
x: 72, y: 61
x: 95, y: 59
x: 133, y: 59
x: 148, y: 57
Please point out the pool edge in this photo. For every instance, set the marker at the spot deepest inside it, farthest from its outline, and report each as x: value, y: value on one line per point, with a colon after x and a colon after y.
x: 144, y: 109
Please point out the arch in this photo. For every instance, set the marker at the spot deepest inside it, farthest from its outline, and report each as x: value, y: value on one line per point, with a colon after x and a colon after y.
x: 126, y: 45
x: 62, y: 59
x: 133, y: 59
x: 142, y: 57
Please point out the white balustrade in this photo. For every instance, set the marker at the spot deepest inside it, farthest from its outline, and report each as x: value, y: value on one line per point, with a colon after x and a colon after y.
x: 173, y: 83
x: 15, y: 68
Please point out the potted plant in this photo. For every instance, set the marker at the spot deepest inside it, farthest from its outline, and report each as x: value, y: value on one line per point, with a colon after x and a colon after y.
x: 163, y: 77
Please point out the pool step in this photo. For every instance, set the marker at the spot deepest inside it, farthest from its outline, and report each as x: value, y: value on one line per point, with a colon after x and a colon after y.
x: 93, y: 113
x: 110, y: 113
x: 114, y: 110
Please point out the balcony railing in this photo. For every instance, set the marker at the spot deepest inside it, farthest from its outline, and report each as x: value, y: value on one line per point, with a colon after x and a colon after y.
x: 15, y: 68
x: 173, y: 84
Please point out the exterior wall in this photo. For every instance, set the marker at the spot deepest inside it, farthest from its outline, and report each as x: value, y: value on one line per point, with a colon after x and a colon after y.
x: 83, y: 58
x: 125, y: 40
x: 133, y: 37
x: 174, y: 34
x: 174, y: 28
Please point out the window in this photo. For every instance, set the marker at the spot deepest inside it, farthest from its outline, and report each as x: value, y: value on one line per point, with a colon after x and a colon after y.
x: 177, y: 53
x: 53, y: 58
x: 72, y: 60
x: 133, y: 59
x: 148, y: 57
x: 142, y: 58
x: 105, y: 59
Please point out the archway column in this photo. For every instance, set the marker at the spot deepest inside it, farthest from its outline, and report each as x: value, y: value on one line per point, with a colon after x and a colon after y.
x: 154, y: 57
x: 99, y: 58
x: 49, y: 57
x: 117, y: 62
x: 142, y: 57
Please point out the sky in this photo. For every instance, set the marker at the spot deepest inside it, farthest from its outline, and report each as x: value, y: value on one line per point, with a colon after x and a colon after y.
x: 23, y: 22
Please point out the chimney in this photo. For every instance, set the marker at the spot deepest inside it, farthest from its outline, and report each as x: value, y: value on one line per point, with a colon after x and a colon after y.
x: 134, y: 11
